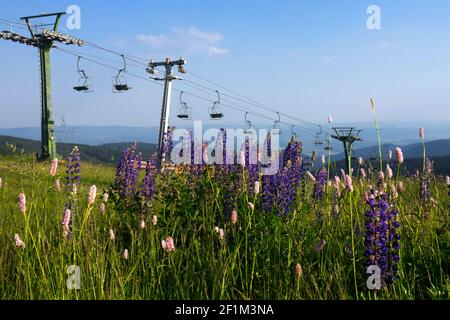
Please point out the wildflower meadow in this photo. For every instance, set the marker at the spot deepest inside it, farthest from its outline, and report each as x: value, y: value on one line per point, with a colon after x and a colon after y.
x: 74, y: 230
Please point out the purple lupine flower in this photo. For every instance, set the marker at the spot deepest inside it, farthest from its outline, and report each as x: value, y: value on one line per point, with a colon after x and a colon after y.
x: 320, y: 184
x: 268, y: 193
x: 73, y: 170
x: 268, y: 181
x: 148, y: 184
x: 425, y: 192
x: 320, y: 245
x: 289, y: 178
x: 251, y: 163
x: 167, y: 144
x: 127, y: 172
x: 382, y: 240
x: 196, y: 169
x: 232, y: 180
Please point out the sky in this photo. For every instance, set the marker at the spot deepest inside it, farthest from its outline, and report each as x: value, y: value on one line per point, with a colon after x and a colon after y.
x: 308, y: 59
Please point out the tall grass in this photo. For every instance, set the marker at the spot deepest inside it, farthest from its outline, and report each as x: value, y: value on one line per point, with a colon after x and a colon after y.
x: 255, y: 260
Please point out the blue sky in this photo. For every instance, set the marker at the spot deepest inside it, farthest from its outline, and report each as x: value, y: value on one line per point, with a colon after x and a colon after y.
x: 306, y: 58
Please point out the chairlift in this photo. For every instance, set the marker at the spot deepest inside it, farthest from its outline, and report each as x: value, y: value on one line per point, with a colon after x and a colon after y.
x: 276, y: 125
x: 293, y: 133
x: 185, y: 112
x: 84, y: 82
x: 119, y: 81
x: 318, y: 138
x: 248, y: 125
x: 215, y: 112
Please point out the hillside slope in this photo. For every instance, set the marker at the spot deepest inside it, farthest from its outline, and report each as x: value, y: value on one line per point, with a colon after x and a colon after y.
x: 107, y: 153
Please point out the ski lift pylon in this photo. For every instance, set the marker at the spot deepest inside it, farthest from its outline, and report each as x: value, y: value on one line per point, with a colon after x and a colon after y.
x: 215, y: 112
x: 84, y: 82
x: 185, y: 112
x: 119, y: 81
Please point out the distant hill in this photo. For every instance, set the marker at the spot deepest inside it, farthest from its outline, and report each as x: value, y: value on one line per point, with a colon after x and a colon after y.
x: 107, y: 153
x: 437, y: 148
x: 88, y: 135
x: 441, y: 165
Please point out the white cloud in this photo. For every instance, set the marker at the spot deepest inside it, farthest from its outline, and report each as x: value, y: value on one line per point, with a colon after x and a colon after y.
x: 327, y: 60
x: 384, y: 44
x: 189, y: 40
x: 193, y: 32
x: 216, y: 50
x: 154, y: 41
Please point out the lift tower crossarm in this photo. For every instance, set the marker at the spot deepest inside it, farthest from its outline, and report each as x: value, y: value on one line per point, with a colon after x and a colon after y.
x: 347, y: 135
x: 165, y: 112
x: 45, y: 15
x: 44, y: 42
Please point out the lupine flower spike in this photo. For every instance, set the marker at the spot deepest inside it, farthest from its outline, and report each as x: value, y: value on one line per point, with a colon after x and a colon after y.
x: 54, y: 167
x: 65, y: 225
x: 310, y: 176
x: 102, y: 208
x: 112, y: 236
x: 320, y: 245
x: 399, y: 155
x: 257, y: 188
x: 422, y: 133
x: 58, y: 185
x: 92, y: 194
x: 348, y: 183
x: 234, y: 217
x: 22, y: 203
x: 168, y: 244
x: 18, y: 242
x: 389, y: 172
x: 298, y: 270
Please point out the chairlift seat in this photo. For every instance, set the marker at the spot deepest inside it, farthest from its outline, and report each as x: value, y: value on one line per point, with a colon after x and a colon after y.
x: 121, y: 87
x: 81, y: 88
x: 216, y: 116
x: 183, y: 116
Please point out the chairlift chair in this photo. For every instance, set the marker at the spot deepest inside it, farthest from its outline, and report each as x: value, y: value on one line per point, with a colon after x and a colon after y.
x: 84, y: 82
x: 293, y: 133
x: 119, y: 81
x: 215, y: 112
x: 276, y: 126
x: 185, y: 111
x: 248, y: 125
x: 318, y: 138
